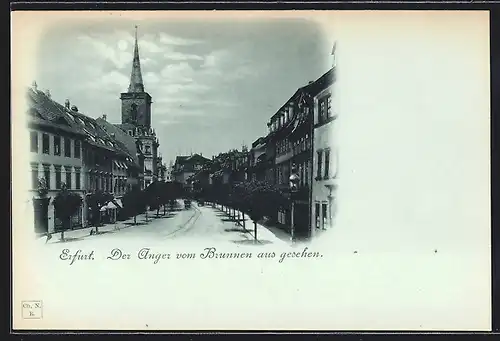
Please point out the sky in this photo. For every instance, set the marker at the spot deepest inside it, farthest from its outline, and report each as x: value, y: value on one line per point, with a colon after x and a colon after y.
x: 214, y: 85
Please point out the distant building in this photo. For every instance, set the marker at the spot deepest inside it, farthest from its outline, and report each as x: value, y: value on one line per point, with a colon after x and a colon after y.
x: 132, y: 174
x: 259, y: 163
x: 186, y: 166
x: 168, y: 172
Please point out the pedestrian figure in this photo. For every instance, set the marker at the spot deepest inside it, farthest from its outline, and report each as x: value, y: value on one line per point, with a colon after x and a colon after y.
x: 49, y: 237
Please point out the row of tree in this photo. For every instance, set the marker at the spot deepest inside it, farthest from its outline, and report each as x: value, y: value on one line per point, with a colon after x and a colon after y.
x: 136, y: 201
x: 257, y: 199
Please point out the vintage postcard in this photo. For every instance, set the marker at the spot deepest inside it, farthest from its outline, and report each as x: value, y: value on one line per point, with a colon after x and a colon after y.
x: 261, y: 170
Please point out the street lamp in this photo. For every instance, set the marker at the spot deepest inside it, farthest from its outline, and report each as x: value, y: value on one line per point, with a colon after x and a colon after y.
x: 294, y: 187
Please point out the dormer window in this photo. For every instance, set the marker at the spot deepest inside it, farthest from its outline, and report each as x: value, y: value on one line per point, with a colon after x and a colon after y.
x: 70, y: 116
x: 130, y: 132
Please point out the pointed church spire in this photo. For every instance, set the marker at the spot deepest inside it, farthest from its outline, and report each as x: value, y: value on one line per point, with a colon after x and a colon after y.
x: 136, y: 84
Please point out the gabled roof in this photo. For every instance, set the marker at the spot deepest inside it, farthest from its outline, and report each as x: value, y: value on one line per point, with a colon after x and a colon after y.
x: 43, y: 110
x: 126, y: 141
x: 182, y: 160
x: 126, y: 126
x: 311, y: 89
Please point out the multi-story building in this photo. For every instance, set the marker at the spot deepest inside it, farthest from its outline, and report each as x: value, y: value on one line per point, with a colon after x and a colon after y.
x: 162, y: 168
x: 239, y: 165
x: 136, y: 120
x: 291, y: 134
x: 56, y: 150
x: 168, y: 172
x: 130, y: 173
x: 75, y: 150
x: 325, y: 164
x: 258, y: 161
x: 186, y: 166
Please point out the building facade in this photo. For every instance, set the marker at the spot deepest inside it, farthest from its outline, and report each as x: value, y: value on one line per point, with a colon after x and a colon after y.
x: 186, y: 166
x: 291, y: 135
x: 324, y: 195
x: 71, y: 148
x: 56, y: 156
x: 258, y: 164
x: 129, y: 172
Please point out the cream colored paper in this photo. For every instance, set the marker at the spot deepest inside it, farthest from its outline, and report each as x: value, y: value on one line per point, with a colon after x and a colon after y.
x: 413, y: 91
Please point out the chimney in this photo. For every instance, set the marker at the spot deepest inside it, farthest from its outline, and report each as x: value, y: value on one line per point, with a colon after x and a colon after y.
x: 113, y: 135
x: 104, y: 117
x: 74, y: 108
x: 47, y: 92
x: 66, y: 104
x: 34, y: 86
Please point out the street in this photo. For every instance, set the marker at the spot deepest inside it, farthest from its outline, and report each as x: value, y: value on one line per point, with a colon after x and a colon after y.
x: 199, y: 224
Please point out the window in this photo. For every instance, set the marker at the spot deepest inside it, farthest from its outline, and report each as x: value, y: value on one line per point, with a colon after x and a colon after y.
x: 133, y: 111
x: 317, y: 215
x: 130, y: 132
x: 45, y: 144
x: 329, y: 106
x: 58, y: 177
x: 34, y: 141
x: 325, y: 214
x: 67, y: 147
x: 148, y: 149
x: 68, y: 177
x: 321, y: 110
x: 34, y: 175
x: 306, y: 173
x: 77, y: 178
x: 46, y: 175
x: 57, y: 145
x: 327, y: 163
x: 324, y: 108
x: 301, y: 173
x: 77, y: 146
x: 320, y: 162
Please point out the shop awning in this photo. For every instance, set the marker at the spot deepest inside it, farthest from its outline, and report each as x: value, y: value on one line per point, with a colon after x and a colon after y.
x: 117, y: 164
x: 111, y: 205
x: 118, y: 203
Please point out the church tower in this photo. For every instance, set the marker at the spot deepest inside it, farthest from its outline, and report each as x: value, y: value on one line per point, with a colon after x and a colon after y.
x: 136, y: 103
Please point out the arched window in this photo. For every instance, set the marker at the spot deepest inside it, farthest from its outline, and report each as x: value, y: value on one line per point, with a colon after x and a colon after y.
x: 133, y: 111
